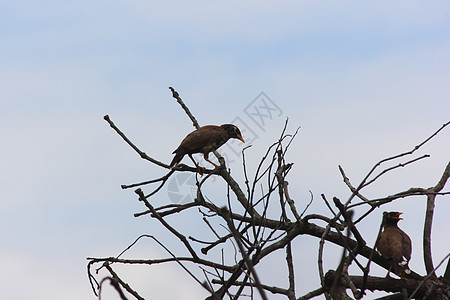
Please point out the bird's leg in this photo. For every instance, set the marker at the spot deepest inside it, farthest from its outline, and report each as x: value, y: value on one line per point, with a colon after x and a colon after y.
x: 215, y: 166
x: 388, y: 273
x: 207, y: 159
x: 198, y: 167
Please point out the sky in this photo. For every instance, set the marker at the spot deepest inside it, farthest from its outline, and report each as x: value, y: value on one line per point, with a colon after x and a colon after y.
x: 363, y: 81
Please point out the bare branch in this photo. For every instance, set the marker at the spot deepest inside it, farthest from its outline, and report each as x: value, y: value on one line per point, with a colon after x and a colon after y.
x: 266, y: 220
x: 116, y: 286
x: 170, y: 228
x: 117, y: 282
x: 400, y: 165
x: 176, y: 259
x: 329, y: 206
x: 238, y: 192
x: 226, y: 215
x: 427, y: 235
x: 381, y: 284
x: 312, y: 294
x: 186, y: 109
x: 162, y: 179
x: 141, y: 154
x: 291, y: 275
x: 429, y: 220
x: 367, y: 268
x: 351, y: 187
x: 430, y: 274
x: 364, y: 181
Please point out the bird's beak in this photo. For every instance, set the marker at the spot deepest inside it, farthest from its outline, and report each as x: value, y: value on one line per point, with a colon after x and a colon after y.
x: 240, y: 137
x: 398, y: 216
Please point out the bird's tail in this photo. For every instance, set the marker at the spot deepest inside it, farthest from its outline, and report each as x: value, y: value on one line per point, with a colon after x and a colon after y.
x: 404, y: 265
x: 176, y: 159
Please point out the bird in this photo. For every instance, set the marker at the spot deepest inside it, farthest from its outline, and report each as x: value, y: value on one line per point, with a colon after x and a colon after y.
x: 205, y: 140
x: 394, y: 244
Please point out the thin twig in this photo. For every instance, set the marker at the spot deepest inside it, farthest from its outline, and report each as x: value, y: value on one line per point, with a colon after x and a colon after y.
x: 124, y: 137
x: 311, y: 199
x: 163, y: 179
x: 430, y: 274
x: 156, y: 215
x: 226, y: 215
x: 186, y: 109
x: 400, y: 165
x: 116, y: 280
x: 312, y: 294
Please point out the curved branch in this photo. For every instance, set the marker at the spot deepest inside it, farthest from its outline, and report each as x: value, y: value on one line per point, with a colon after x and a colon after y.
x: 429, y: 275
x: 156, y: 215
x: 431, y: 197
x: 117, y: 282
x: 178, y: 259
x: 365, y: 182
x: 428, y: 260
x: 186, y: 109
x: 239, y: 193
x: 127, y: 140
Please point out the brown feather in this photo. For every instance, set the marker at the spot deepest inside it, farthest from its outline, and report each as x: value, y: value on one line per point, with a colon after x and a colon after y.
x: 394, y: 244
x: 205, y: 140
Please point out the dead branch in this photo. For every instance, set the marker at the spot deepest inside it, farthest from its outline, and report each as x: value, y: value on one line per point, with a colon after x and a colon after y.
x: 262, y: 225
x: 431, y: 197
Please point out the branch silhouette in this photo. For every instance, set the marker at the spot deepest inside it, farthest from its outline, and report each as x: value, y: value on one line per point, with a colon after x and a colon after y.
x: 261, y: 217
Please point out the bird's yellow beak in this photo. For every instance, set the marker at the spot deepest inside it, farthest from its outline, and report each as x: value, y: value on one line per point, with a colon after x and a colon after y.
x: 240, y: 137
x: 397, y: 216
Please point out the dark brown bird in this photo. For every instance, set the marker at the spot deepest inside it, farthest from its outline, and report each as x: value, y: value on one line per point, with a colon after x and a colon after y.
x: 205, y: 140
x: 394, y: 244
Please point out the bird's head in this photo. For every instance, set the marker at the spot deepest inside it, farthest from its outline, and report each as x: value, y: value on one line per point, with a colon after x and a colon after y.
x: 391, y: 218
x: 233, y: 131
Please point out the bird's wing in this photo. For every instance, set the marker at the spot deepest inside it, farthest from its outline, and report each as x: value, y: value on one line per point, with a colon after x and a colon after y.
x: 390, y: 244
x: 196, y: 140
x: 383, y: 245
x: 406, y: 245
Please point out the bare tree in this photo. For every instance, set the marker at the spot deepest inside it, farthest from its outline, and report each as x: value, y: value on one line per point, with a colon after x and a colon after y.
x: 253, y: 233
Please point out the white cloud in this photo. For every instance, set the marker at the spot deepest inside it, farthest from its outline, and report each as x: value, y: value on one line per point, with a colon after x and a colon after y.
x: 43, y: 278
x: 362, y: 81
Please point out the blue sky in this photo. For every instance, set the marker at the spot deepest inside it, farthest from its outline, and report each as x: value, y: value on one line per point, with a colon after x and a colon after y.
x: 363, y: 80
